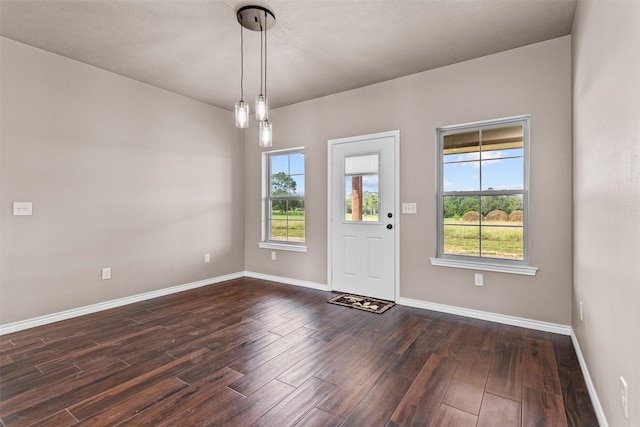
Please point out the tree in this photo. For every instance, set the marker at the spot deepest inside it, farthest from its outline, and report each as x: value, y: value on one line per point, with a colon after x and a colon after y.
x: 282, y: 185
x: 469, y: 204
x: 370, y: 203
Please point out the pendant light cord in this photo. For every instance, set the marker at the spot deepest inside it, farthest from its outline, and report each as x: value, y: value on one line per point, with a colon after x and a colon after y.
x: 241, y: 61
x: 265, y: 54
x: 261, y: 45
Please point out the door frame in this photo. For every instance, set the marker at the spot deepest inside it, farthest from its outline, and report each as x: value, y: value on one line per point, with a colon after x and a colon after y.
x: 395, y: 134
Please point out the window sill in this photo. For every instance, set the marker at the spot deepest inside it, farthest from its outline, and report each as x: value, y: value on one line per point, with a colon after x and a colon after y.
x: 483, y: 266
x: 283, y: 247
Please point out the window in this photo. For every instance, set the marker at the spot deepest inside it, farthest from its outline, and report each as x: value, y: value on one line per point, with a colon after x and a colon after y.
x: 283, y: 200
x: 483, y: 196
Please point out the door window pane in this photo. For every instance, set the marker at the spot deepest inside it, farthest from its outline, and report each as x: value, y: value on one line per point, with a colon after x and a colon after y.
x: 361, y: 188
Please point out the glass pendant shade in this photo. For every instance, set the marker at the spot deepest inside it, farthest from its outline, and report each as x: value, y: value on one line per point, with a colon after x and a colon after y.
x: 262, y: 107
x: 242, y: 114
x: 265, y: 134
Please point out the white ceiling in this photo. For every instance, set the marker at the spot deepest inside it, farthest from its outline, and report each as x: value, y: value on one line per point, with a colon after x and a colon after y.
x: 316, y: 48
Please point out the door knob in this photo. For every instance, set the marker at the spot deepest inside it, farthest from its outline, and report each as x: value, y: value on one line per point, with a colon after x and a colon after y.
x: 389, y: 226
x: 390, y: 215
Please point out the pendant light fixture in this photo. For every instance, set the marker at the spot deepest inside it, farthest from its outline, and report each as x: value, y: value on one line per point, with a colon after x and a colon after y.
x: 258, y: 18
x: 242, y: 108
x: 261, y: 101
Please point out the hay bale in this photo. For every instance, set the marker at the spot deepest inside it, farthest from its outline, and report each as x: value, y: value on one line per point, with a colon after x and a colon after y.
x: 497, y: 215
x: 516, y: 216
x: 471, y: 216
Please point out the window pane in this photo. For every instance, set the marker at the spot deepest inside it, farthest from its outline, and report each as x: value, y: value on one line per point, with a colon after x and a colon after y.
x: 361, y: 198
x: 296, y: 222
x: 507, y: 174
x: 502, y: 242
x: 461, y: 176
x: 299, y: 185
x: 283, y: 185
x: 278, y: 220
x: 461, y: 210
x: 505, y: 138
x: 461, y: 146
x: 287, y: 221
x: 296, y: 164
x: 279, y: 164
x: 502, y: 209
x: 462, y: 240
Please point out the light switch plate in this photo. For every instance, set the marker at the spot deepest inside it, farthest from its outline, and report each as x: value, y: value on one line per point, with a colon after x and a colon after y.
x: 409, y: 208
x: 22, y: 208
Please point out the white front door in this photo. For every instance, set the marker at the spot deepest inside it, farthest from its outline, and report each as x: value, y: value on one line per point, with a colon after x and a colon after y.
x: 362, y: 215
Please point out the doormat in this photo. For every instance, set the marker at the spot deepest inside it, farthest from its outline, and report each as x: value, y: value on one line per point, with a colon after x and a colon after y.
x: 373, y: 305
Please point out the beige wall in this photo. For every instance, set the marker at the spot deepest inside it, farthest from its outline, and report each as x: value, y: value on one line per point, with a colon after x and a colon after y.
x: 121, y: 174
x: 532, y: 80
x: 606, y: 191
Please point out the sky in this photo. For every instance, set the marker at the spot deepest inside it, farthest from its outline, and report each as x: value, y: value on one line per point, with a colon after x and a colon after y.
x: 499, y: 171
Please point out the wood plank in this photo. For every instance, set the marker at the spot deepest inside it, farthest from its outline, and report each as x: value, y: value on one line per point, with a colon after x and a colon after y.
x: 499, y: 411
x: 145, y: 398
x: 467, y: 386
x: 40, y: 402
x: 506, y: 372
x: 59, y: 419
x: 349, y: 394
x: 249, y: 360
x: 305, y: 368
x: 342, y: 366
x: 295, y: 406
x: 540, y: 369
x: 174, y: 405
x: 413, y: 359
x: 256, y: 404
x: 100, y: 401
x: 448, y: 416
x: 542, y: 409
x: 420, y: 404
x: 200, y: 414
x: 378, y: 405
x: 319, y: 418
x: 576, y: 399
x: 16, y: 386
x: 508, y: 334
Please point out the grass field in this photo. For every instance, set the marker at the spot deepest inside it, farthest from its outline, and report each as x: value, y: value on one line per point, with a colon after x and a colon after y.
x: 291, y: 228
x: 499, y: 239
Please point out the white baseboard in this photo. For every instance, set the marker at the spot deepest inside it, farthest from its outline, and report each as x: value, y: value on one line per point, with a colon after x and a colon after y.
x: 597, y: 407
x: 288, y: 281
x: 491, y: 317
x: 68, y: 314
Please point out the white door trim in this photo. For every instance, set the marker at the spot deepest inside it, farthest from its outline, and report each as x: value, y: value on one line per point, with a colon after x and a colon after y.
x: 395, y: 134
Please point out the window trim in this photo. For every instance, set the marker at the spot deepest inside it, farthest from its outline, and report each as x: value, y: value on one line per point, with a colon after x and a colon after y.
x: 476, y: 262
x: 265, y: 242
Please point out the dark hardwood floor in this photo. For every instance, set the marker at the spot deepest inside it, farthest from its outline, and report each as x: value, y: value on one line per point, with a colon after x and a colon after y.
x: 250, y: 352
